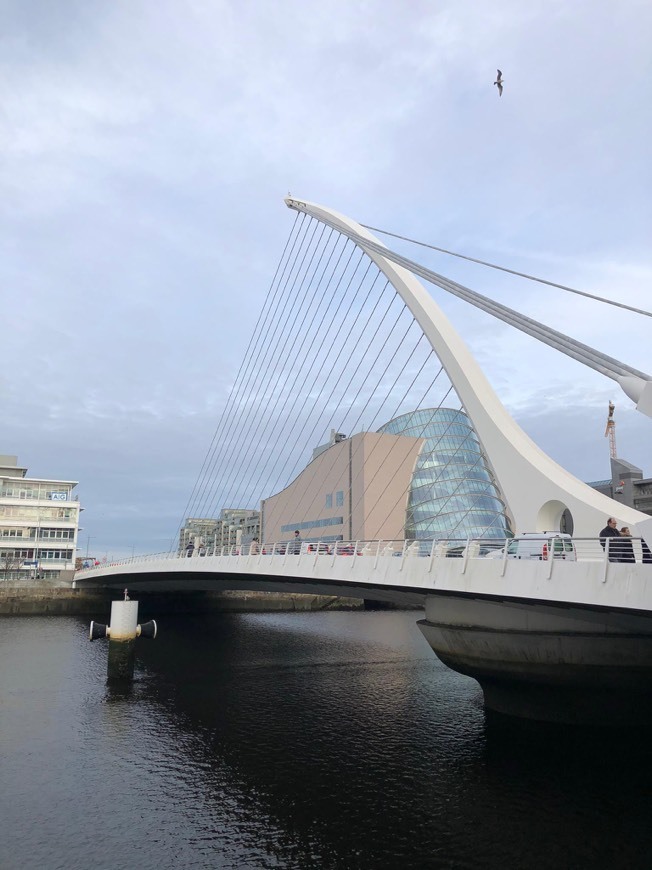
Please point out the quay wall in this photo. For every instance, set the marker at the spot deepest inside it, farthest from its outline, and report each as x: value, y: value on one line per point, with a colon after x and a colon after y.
x: 51, y: 600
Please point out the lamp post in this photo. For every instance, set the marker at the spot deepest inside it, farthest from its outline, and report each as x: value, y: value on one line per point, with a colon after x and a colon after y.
x: 37, y: 540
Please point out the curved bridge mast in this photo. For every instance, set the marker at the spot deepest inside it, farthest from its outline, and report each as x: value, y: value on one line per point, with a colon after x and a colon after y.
x: 535, y: 488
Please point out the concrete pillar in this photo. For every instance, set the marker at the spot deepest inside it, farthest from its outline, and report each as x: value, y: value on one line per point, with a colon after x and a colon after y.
x: 122, y: 639
x: 122, y: 633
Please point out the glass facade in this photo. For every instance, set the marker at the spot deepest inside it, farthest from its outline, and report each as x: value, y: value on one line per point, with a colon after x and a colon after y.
x: 452, y: 494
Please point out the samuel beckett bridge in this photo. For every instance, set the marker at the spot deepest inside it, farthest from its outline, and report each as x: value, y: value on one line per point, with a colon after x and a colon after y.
x: 385, y: 467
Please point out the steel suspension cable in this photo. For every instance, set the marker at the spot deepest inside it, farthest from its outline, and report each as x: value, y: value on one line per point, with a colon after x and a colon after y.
x: 258, y: 487
x: 329, y: 375
x: 511, y: 271
x: 596, y: 360
x: 451, y: 458
x: 364, y: 408
x: 460, y: 480
x: 233, y: 447
x: 355, y: 372
x: 353, y: 507
x: 300, y: 370
x: 227, y: 419
x: 292, y: 236
x: 234, y: 480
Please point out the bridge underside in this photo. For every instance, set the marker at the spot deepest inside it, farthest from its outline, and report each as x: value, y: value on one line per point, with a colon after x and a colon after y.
x: 187, y: 581
x: 533, y: 658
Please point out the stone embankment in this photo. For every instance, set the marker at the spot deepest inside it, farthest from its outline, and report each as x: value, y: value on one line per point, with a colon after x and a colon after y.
x: 50, y: 600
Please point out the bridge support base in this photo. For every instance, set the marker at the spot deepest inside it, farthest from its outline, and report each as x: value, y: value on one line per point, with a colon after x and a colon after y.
x: 122, y: 655
x: 572, y: 666
x: 579, y: 704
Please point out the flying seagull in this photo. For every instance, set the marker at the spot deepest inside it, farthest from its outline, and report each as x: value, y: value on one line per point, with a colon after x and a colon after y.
x: 499, y: 82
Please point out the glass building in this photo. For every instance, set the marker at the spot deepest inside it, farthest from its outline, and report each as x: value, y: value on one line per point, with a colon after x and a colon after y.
x: 452, y: 494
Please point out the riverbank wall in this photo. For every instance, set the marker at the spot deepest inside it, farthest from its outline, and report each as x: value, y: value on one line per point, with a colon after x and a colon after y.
x: 51, y: 600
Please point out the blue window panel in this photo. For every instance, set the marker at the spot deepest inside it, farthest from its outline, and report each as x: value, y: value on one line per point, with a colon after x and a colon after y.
x: 313, y: 524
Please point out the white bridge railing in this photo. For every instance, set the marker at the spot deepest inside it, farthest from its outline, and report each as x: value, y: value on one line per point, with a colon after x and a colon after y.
x: 544, y: 548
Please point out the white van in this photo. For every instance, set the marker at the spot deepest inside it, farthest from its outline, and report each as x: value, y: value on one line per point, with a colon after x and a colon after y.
x: 538, y: 545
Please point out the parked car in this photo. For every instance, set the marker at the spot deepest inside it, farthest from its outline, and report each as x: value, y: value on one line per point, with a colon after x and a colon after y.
x: 538, y: 545
x: 319, y: 547
x: 346, y: 550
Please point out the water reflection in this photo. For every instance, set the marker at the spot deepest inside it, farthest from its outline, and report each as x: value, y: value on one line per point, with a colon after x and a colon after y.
x: 297, y: 740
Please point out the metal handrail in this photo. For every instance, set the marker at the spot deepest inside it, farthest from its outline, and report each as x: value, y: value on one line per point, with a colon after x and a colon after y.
x: 570, y: 549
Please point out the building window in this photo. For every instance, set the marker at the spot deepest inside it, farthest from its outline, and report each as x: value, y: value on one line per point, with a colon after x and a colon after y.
x: 313, y: 524
x: 339, y: 498
x: 329, y: 500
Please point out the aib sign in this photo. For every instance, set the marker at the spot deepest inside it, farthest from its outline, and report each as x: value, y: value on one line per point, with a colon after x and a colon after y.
x: 59, y: 496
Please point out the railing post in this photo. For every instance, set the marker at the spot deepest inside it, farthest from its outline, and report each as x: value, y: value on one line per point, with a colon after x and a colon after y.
x: 378, y: 545
x: 403, y: 555
x: 466, y: 555
x: 504, y: 566
x: 551, y: 556
x: 432, y: 555
x: 606, y: 559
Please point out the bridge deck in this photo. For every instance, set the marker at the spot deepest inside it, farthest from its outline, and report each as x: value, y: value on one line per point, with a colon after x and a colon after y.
x: 375, y: 571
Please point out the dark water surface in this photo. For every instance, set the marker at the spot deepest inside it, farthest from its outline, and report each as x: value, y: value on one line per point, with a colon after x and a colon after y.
x: 307, y: 740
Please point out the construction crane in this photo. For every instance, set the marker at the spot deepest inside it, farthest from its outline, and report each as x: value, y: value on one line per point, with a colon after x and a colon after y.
x: 610, y: 431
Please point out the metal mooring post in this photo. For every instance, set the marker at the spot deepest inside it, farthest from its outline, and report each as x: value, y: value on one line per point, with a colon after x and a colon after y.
x: 122, y: 633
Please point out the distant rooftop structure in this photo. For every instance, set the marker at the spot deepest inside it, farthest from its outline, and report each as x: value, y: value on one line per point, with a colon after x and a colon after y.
x: 335, y: 438
x: 627, y: 485
x: 9, y: 467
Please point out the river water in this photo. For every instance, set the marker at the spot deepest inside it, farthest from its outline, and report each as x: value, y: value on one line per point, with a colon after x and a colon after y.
x: 299, y: 740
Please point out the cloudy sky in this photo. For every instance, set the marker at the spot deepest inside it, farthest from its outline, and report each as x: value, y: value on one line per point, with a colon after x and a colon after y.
x: 146, y: 150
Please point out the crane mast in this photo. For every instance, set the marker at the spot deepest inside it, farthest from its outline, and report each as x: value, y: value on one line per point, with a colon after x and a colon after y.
x: 610, y: 431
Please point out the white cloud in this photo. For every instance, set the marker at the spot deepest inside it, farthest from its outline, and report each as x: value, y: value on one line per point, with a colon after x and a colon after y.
x: 146, y: 151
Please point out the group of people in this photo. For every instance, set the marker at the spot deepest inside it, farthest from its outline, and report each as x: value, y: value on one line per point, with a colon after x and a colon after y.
x: 622, y: 549
x: 190, y: 549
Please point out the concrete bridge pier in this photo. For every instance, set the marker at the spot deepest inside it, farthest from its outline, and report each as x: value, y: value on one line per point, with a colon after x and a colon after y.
x: 122, y: 640
x: 536, y: 661
x: 122, y: 633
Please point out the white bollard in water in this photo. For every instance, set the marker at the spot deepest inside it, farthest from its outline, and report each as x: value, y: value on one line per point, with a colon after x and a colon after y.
x: 122, y: 633
x: 124, y: 620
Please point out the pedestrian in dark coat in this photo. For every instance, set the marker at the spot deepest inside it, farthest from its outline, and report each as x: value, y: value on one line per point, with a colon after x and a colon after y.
x: 610, y: 531
x: 625, y: 546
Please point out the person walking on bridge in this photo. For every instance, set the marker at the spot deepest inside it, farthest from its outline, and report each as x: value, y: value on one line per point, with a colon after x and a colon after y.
x: 610, y: 531
x: 296, y: 543
x: 625, y: 547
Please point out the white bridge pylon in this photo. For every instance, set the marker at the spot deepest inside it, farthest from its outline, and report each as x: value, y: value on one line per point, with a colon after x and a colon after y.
x: 535, y: 488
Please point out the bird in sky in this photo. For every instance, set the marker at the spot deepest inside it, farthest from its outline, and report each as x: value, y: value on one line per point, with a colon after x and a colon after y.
x: 499, y: 82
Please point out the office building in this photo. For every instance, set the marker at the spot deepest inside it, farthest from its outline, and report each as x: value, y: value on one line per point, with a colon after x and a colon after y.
x: 233, y: 527
x: 39, y: 524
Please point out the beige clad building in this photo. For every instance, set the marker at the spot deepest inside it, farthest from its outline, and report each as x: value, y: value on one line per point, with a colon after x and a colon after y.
x: 39, y: 524
x: 354, y: 489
